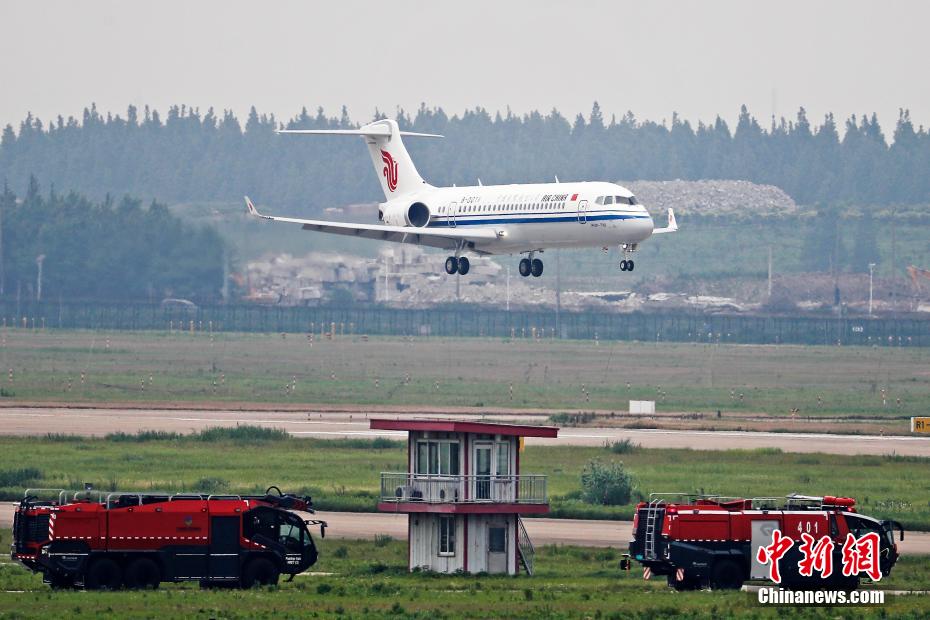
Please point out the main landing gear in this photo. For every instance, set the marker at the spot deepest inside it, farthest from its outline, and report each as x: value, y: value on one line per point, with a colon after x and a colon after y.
x: 459, y: 265
x: 627, y: 265
x: 531, y: 266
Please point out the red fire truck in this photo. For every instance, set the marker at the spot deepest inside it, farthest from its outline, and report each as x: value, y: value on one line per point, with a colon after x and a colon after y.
x: 699, y: 541
x: 138, y: 540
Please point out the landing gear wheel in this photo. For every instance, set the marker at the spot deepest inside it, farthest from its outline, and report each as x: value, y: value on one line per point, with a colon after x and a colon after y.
x: 526, y: 268
x: 452, y: 265
x: 103, y: 574
x: 630, y: 265
x: 142, y: 574
x: 536, y: 267
x: 464, y: 266
x: 727, y: 575
x: 260, y: 572
x: 624, y: 264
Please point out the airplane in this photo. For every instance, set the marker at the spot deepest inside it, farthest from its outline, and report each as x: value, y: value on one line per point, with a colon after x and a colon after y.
x: 486, y: 219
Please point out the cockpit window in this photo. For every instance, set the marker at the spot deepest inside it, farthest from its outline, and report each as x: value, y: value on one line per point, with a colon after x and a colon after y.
x: 600, y: 200
x: 608, y: 200
x: 623, y: 200
x: 859, y: 527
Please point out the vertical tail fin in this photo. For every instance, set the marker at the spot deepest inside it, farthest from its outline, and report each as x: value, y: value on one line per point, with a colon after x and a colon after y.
x: 389, y: 156
x: 392, y: 162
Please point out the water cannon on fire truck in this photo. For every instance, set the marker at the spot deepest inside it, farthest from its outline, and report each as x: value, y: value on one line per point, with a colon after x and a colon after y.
x: 698, y: 541
x: 135, y: 540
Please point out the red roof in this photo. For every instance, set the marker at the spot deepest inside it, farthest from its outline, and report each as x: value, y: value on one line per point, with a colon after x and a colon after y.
x: 456, y: 426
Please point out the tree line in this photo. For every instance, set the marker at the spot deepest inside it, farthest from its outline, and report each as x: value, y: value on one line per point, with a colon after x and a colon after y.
x: 106, y: 250
x: 193, y: 156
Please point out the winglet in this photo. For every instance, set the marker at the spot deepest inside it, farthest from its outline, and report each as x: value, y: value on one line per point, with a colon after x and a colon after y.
x: 251, y: 208
x: 672, y: 224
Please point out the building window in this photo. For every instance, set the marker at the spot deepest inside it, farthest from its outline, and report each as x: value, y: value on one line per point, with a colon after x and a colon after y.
x: 497, y: 539
x: 503, y: 459
x: 438, y: 458
x: 446, y: 535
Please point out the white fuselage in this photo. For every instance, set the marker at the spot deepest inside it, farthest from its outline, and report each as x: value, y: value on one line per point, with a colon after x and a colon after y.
x: 527, y: 218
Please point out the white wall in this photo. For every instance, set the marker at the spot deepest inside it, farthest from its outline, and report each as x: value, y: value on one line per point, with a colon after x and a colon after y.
x: 424, y: 542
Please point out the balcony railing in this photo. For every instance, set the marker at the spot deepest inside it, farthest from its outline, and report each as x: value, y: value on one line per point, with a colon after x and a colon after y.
x: 407, y: 487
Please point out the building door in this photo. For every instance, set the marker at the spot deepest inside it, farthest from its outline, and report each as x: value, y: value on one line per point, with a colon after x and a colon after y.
x: 497, y: 547
x: 582, y: 211
x: 224, y: 548
x: 503, y: 486
x: 483, y: 470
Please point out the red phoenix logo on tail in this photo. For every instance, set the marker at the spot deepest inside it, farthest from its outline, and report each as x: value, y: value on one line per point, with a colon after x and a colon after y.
x: 390, y: 170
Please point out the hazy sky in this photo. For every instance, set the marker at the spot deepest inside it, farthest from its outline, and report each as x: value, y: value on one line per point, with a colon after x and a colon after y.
x: 697, y: 58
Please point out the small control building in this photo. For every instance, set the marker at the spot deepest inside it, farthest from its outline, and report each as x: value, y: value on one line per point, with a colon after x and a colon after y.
x: 463, y: 493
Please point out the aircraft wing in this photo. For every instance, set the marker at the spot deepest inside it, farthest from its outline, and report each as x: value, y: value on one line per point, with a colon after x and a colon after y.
x: 672, y: 224
x: 446, y: 238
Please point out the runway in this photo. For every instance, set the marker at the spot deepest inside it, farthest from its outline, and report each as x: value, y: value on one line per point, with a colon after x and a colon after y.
x: 585, y: 533
x: 98, y: 421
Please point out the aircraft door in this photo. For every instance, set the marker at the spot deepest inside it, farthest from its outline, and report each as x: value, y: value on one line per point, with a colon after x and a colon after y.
x: 582, y: 211
x: 453, y: 207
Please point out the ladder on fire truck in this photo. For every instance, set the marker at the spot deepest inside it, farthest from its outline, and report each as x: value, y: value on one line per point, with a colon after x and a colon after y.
x: 652, y: 516
x: 655, y: 512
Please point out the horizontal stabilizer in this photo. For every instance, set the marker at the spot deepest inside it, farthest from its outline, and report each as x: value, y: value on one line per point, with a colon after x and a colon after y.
x: 370, y: 131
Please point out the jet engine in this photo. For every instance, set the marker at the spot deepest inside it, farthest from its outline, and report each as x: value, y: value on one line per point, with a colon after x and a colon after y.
x: 416, y: 214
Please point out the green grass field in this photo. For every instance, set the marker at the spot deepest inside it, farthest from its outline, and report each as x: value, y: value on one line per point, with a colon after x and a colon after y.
x: 368, y: 579
x: 165, y: 367
x: 344, y: 474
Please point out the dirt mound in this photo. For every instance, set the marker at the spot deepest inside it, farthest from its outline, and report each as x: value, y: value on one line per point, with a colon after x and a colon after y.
x: 713, y: 197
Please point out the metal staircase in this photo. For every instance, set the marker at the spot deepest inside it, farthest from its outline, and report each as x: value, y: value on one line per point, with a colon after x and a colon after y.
x: 525, y: 548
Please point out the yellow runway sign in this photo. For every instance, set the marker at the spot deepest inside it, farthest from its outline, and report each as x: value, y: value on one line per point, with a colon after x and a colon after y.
x: 920, y: 425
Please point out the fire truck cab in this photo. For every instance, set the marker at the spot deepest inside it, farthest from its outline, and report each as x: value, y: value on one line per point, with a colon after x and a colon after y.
x: 138, y: 540
x: 700, y: 541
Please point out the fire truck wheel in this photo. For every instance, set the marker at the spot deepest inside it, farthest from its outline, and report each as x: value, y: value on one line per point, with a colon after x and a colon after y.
x: 260, y: 572
x: 103, y: 574
x: 727, y: 575
x: 142, y: 574
x: 689, y: 583
x: 60, y: 582
x: 849, y: 584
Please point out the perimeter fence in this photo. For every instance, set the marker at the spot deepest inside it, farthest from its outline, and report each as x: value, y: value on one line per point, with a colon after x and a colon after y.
x: 471, y: 322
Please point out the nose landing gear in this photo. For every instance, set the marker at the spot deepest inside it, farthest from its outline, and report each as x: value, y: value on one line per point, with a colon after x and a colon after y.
x: 627, y: 264
x: 459, y: 265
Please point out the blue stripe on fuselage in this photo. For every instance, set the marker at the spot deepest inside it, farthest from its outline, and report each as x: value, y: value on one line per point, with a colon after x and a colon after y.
x: 460, y: 221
